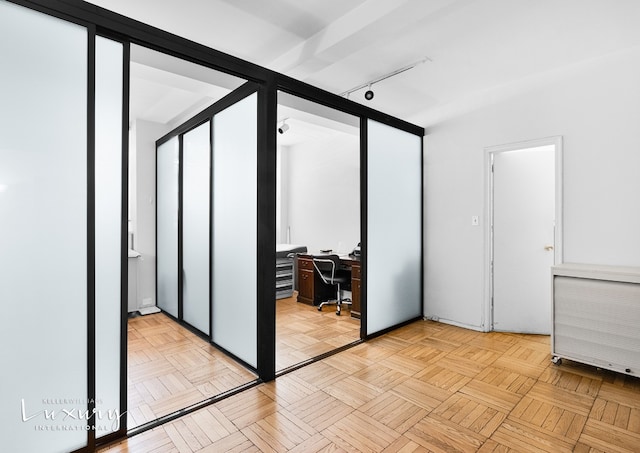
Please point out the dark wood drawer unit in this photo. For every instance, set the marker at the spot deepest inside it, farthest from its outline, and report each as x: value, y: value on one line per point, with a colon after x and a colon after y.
x: 305, y: 264
x: 305, y: 286
x: 355, y: 290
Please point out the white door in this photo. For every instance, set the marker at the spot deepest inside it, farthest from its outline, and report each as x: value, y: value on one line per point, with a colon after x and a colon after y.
x: 523, y: 239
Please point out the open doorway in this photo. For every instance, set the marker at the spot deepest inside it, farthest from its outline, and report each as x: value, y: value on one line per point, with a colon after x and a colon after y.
x: 317, y: 217
x: 172, y: 363
x: 525, y: 241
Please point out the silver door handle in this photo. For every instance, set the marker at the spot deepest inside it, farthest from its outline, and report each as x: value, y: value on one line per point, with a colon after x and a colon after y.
x: 548, y: 247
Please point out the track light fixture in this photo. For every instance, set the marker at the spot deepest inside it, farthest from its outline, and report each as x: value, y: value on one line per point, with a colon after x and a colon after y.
x: 284, y: 128
x: 368, y: 95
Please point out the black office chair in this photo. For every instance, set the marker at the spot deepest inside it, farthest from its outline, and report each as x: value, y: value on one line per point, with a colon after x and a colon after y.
x: 328, y: 267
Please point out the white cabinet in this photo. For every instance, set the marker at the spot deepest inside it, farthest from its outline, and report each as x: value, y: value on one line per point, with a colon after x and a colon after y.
x: 596, y: 316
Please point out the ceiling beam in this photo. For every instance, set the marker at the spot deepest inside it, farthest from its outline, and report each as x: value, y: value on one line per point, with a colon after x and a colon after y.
x: 335, y: 34
x: 367, y: 25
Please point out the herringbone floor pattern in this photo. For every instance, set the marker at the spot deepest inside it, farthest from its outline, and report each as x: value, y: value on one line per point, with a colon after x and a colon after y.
x: 424, y: 387
x: 302, y: 332
x: 171, y: 368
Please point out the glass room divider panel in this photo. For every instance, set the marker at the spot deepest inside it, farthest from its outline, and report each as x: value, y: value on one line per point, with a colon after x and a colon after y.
x: 234, y: 232
x: 109, y: 247
x: 196, y: 204
x: 43, y: 230
x: 207, y: 223
x: 394, y: 227
x: 167, y: 183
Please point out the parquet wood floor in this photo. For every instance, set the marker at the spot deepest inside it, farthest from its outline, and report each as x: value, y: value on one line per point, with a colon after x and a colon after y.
x: 303, y: 332
x: 171, y: 368
x: 426, y: 387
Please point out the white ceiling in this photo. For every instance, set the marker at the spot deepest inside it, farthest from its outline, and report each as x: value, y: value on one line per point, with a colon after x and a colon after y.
x: 309, y: 121
x: 480, y: 49
x: 169, y: 90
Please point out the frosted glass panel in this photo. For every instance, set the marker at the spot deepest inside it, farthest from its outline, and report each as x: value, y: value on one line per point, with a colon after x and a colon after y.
x: 43, y: 224
x: 234, y: 239
x: 394, y: 246
x: 108, y: 176
x: 196, y: 205
x: 167, y: 225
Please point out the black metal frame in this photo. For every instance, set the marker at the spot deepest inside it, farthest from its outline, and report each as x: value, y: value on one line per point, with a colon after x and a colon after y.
x: 180, y: 228
x: 364, y: 212
x: 202, y: 117
x: 211, y: 128
x: 124, y: 275
x: 139, y: 33
x: 91, y: 237
x: 266, y: 241
x: 106, y: 23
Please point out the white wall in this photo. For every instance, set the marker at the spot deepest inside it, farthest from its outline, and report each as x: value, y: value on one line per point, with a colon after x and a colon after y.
x: 323, y: 196
x: 142, y: 200
x: 282, y: 195
x: 596, y: 108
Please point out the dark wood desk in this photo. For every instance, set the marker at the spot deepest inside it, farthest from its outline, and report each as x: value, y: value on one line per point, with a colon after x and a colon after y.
x: 312, y: 290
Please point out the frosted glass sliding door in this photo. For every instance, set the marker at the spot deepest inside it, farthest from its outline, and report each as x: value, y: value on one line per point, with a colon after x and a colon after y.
x: 394, y: 226
x: 234, y: 240
x: 43, y: 230
x: 168, y: 165
x: 196, y: 205
x: 108, y: 239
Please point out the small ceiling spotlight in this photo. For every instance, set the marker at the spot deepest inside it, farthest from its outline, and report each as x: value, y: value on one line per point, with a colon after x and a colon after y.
x: 284, y: 128
x: 368, y: 95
